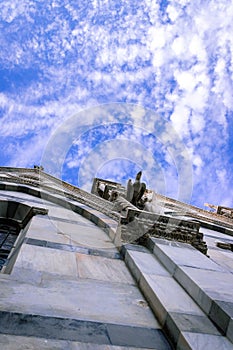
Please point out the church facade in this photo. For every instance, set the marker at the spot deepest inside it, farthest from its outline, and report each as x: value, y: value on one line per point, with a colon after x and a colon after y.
x: 104, y: 270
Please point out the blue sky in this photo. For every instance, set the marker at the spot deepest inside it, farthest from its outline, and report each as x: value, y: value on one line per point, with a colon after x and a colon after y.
x: 107, y: 88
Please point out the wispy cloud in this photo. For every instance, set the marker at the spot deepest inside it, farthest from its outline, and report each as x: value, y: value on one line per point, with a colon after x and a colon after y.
x: 173, y: 58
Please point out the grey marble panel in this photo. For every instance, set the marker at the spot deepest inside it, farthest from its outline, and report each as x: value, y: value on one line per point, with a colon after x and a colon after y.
x: 16, y: 342
x: 193, y: 289
x: 199, y: 341
x: 103, y: 269
x: 230, y: 330
x: 85, y: 331
x: 53, y: 328
x: 39, y: 259
x: 184, y: 255
x: 176, y: 300
x: 13, y: 342
x: 215, y: 284
x: 134, y: 247
x: 108, y: 253
x: 221, y: 313
x: 81, y: 299
x: 163, y: 258
x: 138, y: 337
x: 180, y: 322
x: 222, y: 257
x: 92, y: 237
x: 141, y: 262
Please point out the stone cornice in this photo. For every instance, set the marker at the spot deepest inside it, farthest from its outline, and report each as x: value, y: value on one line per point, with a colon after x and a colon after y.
x: 135, y: 224
x: 64, y: 189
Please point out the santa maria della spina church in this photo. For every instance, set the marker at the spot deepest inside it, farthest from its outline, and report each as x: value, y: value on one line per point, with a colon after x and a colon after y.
x: 120, y: 268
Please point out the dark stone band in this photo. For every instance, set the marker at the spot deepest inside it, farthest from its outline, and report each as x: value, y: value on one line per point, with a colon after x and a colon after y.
x: 82, y: 331
x: 106, y: 253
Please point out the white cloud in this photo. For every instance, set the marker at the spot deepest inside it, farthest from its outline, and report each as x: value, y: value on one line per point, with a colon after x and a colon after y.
x: 180, y: 119
x: 197, y: 123
x: 157, y: 38
x: 173, y: 12
x: 222, y: 175
x: 178, y: 46
x: 196, y: 48
x: 185, y: 79
x: 91, y: 54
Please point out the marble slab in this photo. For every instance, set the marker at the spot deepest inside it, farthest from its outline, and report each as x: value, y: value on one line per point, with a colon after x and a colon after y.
x: 84, y: 299
x: 191, y: 341
x: 104, y: 269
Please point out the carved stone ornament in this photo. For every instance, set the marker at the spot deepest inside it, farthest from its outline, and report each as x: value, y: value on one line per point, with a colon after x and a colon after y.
x: 137, y: 224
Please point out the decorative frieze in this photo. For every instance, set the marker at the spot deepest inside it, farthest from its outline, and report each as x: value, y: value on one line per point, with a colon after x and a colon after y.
x: 179, y: 230
x: 138, y: 226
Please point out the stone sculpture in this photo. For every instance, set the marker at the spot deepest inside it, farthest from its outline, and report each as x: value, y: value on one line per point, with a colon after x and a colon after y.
x: 135, y: 191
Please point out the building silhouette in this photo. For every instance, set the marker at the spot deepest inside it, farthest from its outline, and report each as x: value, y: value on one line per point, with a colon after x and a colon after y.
x: 98, y: 270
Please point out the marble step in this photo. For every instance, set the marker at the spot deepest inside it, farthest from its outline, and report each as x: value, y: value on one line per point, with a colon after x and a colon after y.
x: 186, y: 325
x: 209, y: 284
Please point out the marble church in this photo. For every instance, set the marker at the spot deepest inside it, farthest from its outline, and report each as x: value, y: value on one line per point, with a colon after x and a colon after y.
x: 120, y: 268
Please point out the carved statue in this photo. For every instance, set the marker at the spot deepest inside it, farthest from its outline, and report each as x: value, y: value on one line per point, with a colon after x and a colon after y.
x: 135, y: 191
x: 129, y: 191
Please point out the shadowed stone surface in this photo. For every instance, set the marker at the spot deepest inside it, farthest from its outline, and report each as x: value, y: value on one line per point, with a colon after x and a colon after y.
x: 14, y: 342
x: 81, y: 330
x: 222, y: 313
x: 230, y: 330
x: 137, y: 337
x: 177, y: 323
x: 53, y: 328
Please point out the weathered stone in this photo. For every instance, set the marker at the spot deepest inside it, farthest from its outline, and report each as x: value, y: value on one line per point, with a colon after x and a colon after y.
x: 85, y: 299
x: 141, y: 263
x: 40, y: 259
x: 103, y: 269
x: 138, y: 337
x: 177, y: 323
x: 190, y: 340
